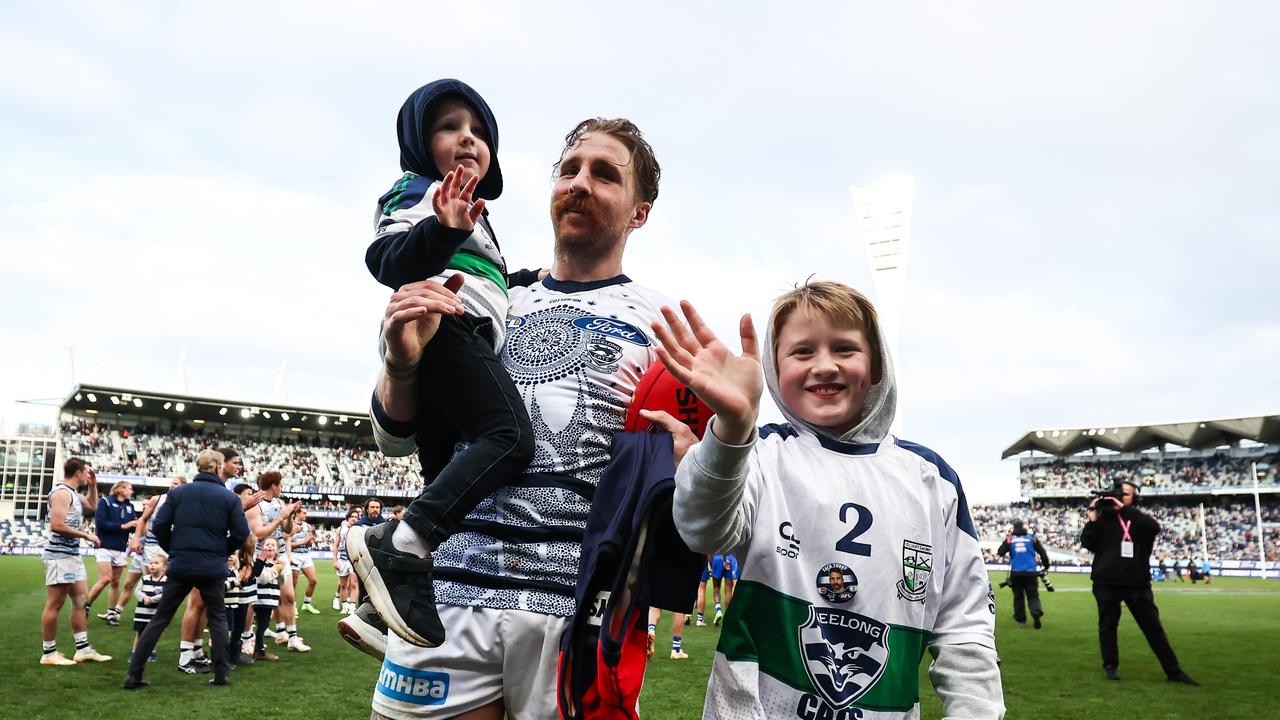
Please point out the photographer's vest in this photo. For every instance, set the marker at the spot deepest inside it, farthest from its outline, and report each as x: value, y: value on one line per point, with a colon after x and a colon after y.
x: 1022, y: 551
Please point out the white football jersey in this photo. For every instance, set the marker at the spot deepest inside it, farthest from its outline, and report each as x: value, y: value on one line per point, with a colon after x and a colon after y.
x: 854, y: 558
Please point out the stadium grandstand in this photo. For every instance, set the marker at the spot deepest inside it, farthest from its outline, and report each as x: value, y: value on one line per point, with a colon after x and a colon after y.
x: 1212, y: 484
x: 328, y: 457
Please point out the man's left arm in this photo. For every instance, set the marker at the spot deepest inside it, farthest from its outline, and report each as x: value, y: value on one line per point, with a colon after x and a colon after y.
x: 1044, y: 556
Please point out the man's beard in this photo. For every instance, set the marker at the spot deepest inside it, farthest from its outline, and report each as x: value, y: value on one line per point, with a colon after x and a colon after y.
x: 593, y: 243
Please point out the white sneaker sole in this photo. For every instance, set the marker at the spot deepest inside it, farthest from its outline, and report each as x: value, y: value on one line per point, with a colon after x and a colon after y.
x: 361, y: 636
x: 362, y: 562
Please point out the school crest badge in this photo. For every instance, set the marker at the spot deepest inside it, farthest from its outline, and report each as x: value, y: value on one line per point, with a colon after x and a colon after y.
x: 844, y: 653
x: 917, y: 566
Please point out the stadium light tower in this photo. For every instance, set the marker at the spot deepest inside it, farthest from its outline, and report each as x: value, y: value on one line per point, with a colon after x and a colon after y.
x: 884, y: 220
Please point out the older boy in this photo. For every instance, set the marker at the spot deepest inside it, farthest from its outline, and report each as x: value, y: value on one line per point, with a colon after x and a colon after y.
x: 888, y: 515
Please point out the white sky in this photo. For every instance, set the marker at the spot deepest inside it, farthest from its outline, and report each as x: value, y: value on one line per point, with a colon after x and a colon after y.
x: 1095, y: 238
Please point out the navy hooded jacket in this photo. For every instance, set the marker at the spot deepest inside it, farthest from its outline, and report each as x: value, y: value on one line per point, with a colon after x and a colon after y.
x: 413, y: 128
x: 199, y: 526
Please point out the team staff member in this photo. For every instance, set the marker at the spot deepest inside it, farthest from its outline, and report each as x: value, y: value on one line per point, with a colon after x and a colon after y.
x: 1121, y: 537
x: 1023, y: 547
x: 114, y: 518
x: 199, y: 526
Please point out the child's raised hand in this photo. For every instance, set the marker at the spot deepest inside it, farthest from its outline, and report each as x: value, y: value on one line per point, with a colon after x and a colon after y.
x: 729, y: 384
x: 452, y: 201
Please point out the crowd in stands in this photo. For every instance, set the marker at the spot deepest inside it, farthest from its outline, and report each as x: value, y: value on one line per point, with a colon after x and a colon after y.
x: 1174, y: 471
x: 1230, y: 526
x: 146, y: 451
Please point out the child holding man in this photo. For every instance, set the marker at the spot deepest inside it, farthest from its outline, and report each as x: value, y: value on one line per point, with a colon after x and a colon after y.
x: 448, y: 150
x: 887, y: 562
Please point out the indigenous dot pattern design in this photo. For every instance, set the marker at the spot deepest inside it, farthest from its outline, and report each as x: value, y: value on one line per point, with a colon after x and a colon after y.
x: 577, y: 395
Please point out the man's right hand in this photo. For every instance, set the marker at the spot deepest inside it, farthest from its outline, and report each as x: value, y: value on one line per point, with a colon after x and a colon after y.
x: 93, y: 539
x: 413, y: 316
x: 252, y: 499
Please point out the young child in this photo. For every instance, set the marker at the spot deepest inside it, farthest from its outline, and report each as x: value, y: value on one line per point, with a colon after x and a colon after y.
x: 886, y: 518
x: 266, y: 568
x: 429, y: 228
x: 147, y: 593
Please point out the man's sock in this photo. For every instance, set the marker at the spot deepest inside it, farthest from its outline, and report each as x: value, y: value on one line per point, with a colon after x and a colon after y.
x: 405, y: 539
x: 652, y: 628
x: 293, y: 631
x: 50, y: 646
x: 699, y: 616
x: 718, y: 608
x: 307, y: 600
x: 82, y: 641
x: 675, y: 643
x: 280, y: 628
x: 185, y: 652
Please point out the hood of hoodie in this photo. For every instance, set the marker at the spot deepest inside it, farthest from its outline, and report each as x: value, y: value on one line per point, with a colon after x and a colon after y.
x: 877, y: 412
x: 414, y: 133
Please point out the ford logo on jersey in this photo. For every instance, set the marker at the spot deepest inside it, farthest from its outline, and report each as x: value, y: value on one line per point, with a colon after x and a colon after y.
x: 612, y: 328
x: 844, y: 653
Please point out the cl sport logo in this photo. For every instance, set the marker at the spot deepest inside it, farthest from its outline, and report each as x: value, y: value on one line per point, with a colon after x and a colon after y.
x: 612, y: 328
x: 844, y: 653
x: 789, y: 547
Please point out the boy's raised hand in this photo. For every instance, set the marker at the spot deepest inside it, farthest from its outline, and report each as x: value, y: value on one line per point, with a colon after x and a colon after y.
x: 452, y: 201
x: 729, y: 384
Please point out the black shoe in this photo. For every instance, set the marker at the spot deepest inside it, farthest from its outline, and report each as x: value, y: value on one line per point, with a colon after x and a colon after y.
x: 1023, y: 621
x: 365, y: 631
x: 1036, y: 622
x: 243, y: 660
x: 1111, y: 673
x: 133, y: 683
x: 399, y: 584
x: 219, y: 680
x: 1182, y: 678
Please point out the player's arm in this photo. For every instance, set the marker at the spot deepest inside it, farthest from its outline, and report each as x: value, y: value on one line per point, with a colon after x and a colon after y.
x: 1004, y: 547
x: 92, y: 497
x: 260, y: 529
x: 59, y: 504
x: 135, y: 541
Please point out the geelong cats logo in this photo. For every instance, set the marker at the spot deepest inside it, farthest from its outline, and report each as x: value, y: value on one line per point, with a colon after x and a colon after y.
x: 844, y: 653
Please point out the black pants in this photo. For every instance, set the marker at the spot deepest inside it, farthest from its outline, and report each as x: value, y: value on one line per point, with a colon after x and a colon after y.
x: 1142, y: 606
x: 263, y: 617
x: 1026, y: 591
x: 176, y: 589
x: 465, y: 393
x: 236, y: 617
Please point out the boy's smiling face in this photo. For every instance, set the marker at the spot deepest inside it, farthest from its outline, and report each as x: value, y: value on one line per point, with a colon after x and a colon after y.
x: 824, y: 371
x: 458, y: 138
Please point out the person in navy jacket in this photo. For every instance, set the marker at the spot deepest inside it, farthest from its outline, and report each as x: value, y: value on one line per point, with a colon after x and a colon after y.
x: 199, y: 526
x: 114, y: 518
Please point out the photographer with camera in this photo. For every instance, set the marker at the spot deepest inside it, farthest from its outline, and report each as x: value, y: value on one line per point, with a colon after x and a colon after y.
x: 1023, y: 547
x: 1121, y: 536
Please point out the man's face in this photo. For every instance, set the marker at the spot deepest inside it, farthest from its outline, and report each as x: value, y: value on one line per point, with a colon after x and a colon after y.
x: 593, y: 204
x: 82, y: 478
x: 837, y: 581
x: 1129, y: 494
x: 375, y: 508
x: 232, y: 468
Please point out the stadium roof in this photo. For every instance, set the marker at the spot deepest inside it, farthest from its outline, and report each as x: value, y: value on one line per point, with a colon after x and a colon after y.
x: 1196, y: 434
x: 103, y: 399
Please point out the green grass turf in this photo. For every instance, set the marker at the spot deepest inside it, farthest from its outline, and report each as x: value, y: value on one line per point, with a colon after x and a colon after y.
x: 1227, y: 636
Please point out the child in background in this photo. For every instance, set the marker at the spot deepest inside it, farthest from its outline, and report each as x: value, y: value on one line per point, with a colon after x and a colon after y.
x: 888, y: 562
x: 429, y: 228
x: 266, y: 569
x: 147, y: 593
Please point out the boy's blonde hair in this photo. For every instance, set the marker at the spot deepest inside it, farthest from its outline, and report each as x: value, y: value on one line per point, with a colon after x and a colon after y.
x: 839, y: 303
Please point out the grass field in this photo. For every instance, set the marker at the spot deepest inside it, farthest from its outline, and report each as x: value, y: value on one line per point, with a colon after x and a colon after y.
x: 1227, y: 636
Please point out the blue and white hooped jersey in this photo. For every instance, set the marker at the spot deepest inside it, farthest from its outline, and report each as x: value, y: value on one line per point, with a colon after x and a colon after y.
x: 149, y: 538
x: 272, y: 509
x: 64, y: 546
